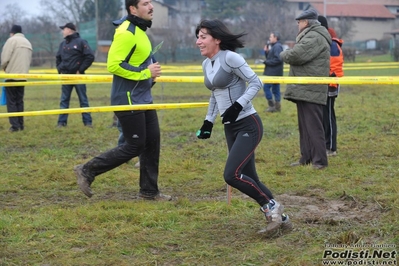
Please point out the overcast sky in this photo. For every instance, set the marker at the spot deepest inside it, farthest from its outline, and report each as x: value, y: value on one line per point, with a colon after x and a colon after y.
x: 30, y: 7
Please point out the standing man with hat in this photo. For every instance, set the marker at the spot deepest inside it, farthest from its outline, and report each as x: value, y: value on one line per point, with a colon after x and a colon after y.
x: 16, y: 58
x: 310, y: 56
x: 74, y: 56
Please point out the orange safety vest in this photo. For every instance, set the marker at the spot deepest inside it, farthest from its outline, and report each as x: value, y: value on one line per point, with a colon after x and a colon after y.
x: 336, y: 62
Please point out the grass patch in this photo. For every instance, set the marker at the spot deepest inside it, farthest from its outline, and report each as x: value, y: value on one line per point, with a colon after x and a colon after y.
x: 369, y: 58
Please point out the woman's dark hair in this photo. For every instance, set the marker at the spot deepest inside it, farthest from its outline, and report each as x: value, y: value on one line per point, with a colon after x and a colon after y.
x: 217, y: 29
x: 131, y: 3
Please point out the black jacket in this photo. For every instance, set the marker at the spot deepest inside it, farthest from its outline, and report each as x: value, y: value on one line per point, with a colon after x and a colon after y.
x: 273, y: 63
x: 74, y: 54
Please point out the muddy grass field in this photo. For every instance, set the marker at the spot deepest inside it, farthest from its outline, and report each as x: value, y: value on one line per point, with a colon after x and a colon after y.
x: 46, y: 220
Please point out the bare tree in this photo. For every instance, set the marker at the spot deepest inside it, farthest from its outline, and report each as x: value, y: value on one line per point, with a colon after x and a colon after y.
x: 45, y: 36
x: 343, y: 27
x: 259, y: 18
x: 63, y: 11
x: 12, y: 14
x: 178, y: 40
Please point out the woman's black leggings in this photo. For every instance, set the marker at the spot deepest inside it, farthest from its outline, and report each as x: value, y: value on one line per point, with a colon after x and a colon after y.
x: 242, y: 138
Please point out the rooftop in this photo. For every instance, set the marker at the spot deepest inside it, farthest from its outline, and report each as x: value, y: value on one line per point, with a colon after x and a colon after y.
x: 355, y: 10
x: 368, y: 2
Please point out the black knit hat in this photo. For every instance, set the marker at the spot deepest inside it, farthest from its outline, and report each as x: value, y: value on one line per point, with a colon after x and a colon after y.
x: 323, y: 21
x: 16, y: 29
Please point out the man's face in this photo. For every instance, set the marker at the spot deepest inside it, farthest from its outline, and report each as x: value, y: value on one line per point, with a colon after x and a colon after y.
x: 302, y: 23
x: 144, y: 10
x: 67, y: 31
x: 272, y: 38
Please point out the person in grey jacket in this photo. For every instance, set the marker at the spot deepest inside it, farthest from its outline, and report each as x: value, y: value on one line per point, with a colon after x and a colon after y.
x: 310, y: 56
x: 16, y: 58
x: 273, y: 67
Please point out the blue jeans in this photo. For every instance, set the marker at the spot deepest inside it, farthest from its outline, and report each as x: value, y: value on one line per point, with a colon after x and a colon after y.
x: 275, y: 90
x: 83, y: 101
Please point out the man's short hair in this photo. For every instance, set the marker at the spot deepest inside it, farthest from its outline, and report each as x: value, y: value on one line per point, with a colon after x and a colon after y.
x: 131, y: 3
x: 276, y: 34
x: 16, y: 29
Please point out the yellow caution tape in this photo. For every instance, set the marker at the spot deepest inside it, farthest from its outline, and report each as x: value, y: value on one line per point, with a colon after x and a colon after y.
x: 52, y: 82
x: 385, y: 80
x: 198, y: 69
x: 107, y: 109
x: 57, y: 77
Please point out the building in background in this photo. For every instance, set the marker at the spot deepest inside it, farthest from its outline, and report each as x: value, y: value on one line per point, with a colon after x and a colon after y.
x: 370, y: 18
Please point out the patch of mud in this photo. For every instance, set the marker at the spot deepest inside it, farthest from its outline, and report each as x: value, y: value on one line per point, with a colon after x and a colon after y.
x: 315, y: 209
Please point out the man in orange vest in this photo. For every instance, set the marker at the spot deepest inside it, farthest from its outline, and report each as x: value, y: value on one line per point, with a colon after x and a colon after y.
x: 336, y: 70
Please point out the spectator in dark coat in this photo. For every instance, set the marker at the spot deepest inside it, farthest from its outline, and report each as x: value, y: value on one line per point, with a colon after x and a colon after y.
x: 74, y: 56
x: 273, y: 67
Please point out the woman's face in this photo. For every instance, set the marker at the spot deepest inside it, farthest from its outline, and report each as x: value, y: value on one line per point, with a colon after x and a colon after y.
x: 208, y: 45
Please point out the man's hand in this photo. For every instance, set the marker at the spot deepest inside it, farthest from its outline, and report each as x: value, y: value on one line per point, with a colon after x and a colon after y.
x: 155, y: 70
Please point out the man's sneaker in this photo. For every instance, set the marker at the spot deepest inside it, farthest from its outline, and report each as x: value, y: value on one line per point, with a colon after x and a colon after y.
x: 83, y: 180
x: 286, y: 224
x: 295, y: 164
x: 15, y: 129
x: 318, y: 166
x: 158, y: 197
x: 273, y: 211
x: 331, y: 153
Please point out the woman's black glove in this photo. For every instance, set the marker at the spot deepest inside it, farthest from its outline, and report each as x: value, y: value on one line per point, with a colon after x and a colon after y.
x: 231, y: 114
x: 205, y: 131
